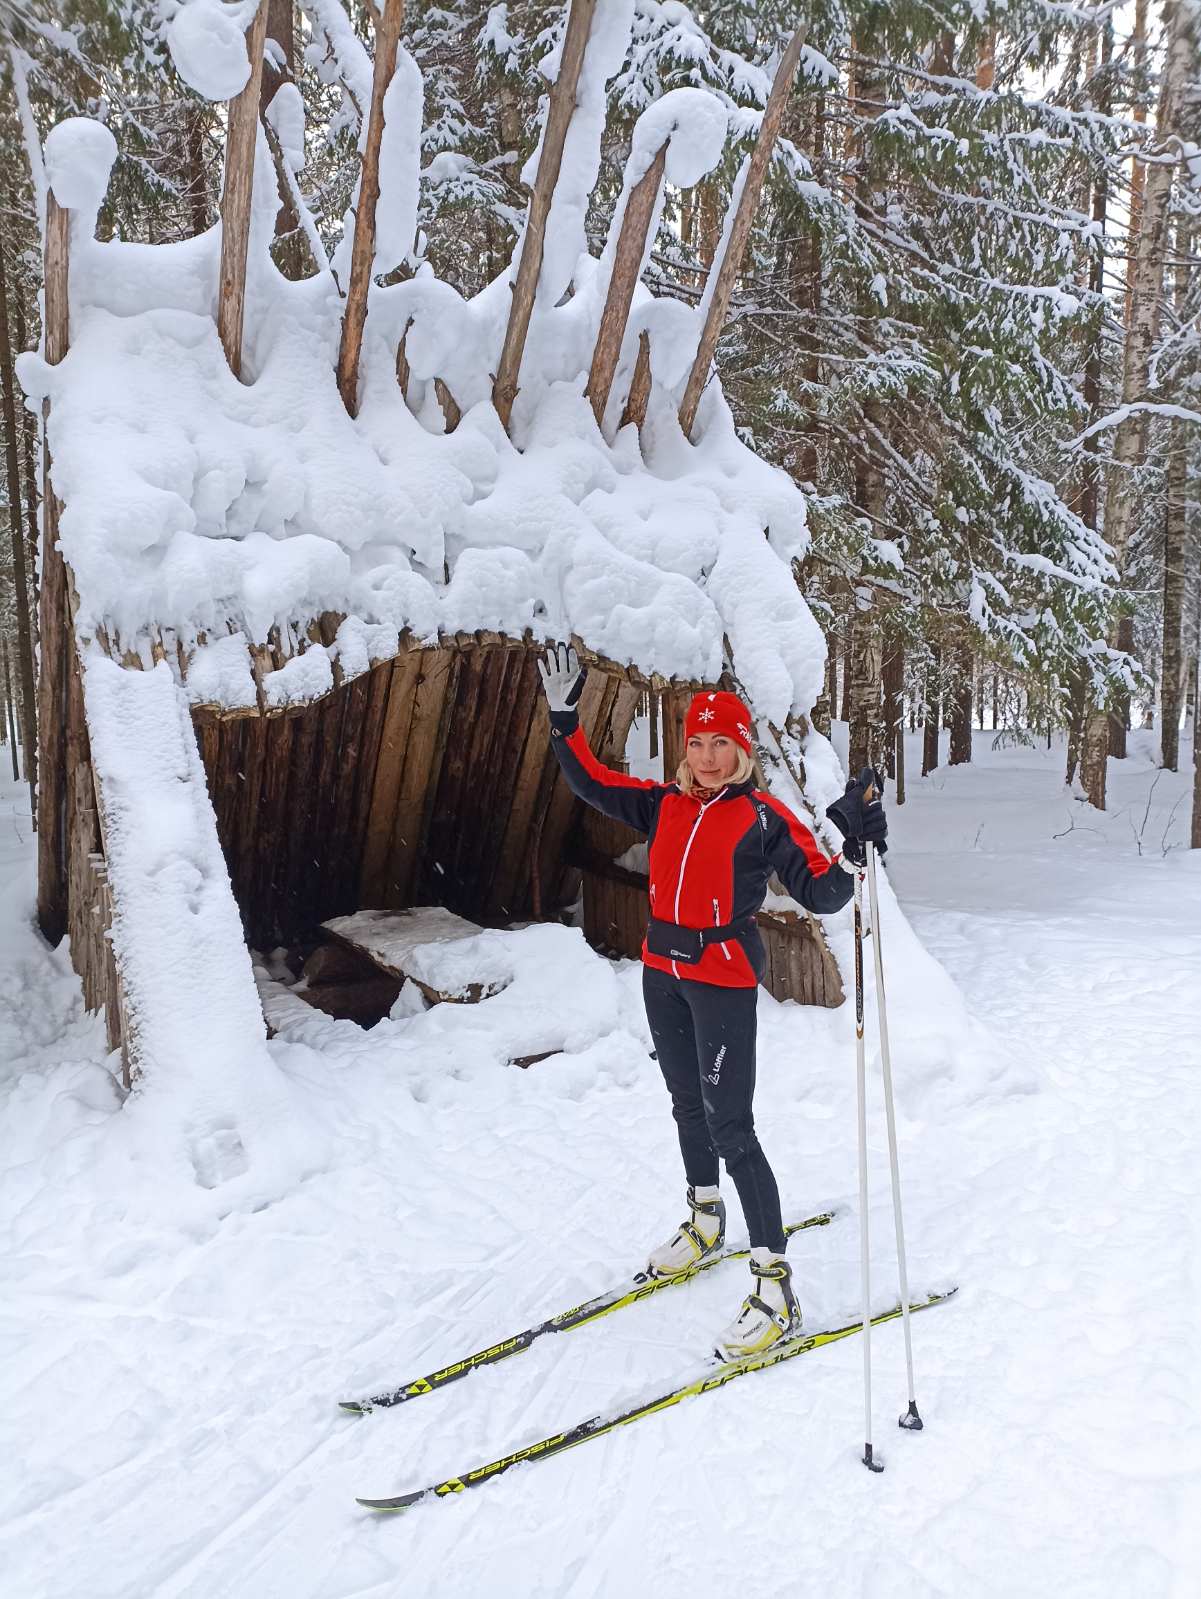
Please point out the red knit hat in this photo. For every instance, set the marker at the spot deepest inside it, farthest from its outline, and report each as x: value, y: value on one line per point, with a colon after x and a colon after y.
x: 722, y: 713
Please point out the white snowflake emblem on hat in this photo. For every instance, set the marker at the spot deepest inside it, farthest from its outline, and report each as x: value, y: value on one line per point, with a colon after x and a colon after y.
x: 705, y: 716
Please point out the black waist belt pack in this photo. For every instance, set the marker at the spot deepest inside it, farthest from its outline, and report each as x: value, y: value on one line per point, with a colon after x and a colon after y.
x: 672, y: 942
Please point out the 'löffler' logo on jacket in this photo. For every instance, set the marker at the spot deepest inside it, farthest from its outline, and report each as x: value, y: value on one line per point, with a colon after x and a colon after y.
x: 715, y: 1075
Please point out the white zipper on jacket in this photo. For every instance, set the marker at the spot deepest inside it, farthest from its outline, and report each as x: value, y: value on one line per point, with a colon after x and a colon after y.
x: 684, y: 862
x: 717, y: 923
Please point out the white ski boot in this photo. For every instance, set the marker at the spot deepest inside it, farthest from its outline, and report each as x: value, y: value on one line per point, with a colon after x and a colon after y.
x: 769, y: 1313
x: 700, y: 1236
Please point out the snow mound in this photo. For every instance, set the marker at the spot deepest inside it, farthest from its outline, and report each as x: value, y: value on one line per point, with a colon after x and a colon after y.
x: 205, y: 505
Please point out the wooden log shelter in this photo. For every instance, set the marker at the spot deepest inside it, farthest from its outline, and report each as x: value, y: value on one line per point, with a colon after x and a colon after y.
x: 428, y: 778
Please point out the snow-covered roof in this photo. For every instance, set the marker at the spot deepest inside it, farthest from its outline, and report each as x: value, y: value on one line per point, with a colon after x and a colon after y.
x: 213, y: 510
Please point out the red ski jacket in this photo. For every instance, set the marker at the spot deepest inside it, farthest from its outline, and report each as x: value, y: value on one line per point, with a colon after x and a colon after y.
x: 710, y: 860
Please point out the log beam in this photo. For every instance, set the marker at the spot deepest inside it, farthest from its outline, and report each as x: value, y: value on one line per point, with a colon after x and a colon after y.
x: 740, y: 231
x: 53, y: 623
x: 236, y: 198
x: 640, y: 385
x: 627, y: 266
x: 362, y: 258
x: 525, y: 285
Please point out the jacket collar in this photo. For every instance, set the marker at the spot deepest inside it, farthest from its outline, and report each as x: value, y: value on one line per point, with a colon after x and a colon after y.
x: 729, y: 792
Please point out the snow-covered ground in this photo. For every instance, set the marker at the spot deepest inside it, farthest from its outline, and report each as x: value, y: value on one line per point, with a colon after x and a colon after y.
x: 169, y: 1374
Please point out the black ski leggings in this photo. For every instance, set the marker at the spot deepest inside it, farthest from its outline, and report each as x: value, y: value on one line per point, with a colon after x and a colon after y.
x: 705, y: 1039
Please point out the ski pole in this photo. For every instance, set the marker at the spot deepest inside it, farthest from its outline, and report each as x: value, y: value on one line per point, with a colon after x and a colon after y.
x: 910, y: 1420
x: 864, y: 1253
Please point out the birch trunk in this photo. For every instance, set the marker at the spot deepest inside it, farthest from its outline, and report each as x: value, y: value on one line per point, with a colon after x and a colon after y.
x: 867, y: 721
x: 866, y: 740
x: 1175, y: 553
x: 1146, y: 285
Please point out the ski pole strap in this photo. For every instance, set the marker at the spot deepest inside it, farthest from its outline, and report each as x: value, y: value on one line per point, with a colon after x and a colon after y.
x: 670, y: 941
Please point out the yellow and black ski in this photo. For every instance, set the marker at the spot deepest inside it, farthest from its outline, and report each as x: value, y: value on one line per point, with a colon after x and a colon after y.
x: 715, y: 1376
x: 640, y: 1288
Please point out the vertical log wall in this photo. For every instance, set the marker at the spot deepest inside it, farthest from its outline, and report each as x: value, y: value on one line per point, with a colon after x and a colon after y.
x: 427, y: 780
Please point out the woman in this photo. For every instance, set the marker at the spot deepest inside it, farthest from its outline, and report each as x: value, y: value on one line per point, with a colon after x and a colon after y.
x: 714, y: 840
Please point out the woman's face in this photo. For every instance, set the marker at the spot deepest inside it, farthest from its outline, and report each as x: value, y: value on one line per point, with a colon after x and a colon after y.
x: 711, y: 759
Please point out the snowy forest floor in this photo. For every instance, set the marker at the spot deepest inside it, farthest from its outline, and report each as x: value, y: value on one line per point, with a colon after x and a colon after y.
x: 169, y: 1381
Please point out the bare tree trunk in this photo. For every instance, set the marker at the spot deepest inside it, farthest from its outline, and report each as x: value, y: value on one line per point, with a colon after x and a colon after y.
x: 1195, y: 834
x: 808, y: 290
x: 197, y: 183
x: 933, y: 708
x: 844, y: 705
x: 1146, y: 283
x: 11, y: 725
x: 1138, y: 45
x: 1119, y: 716
x: 866, y: 731
x: 823, y: 709
x: 29, y: 430
x: 1175, y: 553
x: 961, y: 709
x: 899, y: 797
x: 17, y: 529
x: 1077, y: 694
x: 1174, y: 582
x: 867, y: 738
x: 894, y: 686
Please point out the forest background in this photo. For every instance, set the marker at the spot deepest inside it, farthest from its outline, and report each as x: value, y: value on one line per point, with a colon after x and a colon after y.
x: 968, y: 325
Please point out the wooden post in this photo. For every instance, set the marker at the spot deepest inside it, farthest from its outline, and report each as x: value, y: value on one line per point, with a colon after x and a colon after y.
x: 740, y: 232
x: 236, y: 198
x: 640, y: 385
x: 362, y: 257
x: 627, y: 264
x: 525, y: 285
x: 53, y: 620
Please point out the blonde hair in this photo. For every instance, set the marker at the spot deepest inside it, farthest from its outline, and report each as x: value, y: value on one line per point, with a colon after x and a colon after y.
x: 744, y: 768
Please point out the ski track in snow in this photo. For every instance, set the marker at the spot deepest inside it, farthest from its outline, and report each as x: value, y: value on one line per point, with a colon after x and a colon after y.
x: 168, y: 1385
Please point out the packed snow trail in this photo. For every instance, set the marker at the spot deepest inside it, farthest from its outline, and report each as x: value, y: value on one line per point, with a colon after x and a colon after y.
x: 170, y: 1377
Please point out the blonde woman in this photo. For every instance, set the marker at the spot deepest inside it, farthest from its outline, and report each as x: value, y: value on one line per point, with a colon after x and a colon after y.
x: 714, y: 841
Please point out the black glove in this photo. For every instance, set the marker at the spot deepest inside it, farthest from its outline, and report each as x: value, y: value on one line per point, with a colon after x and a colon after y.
x: 860, y: 819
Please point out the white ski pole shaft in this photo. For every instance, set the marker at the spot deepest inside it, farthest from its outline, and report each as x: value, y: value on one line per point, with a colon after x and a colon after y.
x: 911, y: 1419
x: 864, y: 1250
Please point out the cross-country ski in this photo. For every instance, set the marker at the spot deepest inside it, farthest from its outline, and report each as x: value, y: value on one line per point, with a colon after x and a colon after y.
x: 719, y: 1374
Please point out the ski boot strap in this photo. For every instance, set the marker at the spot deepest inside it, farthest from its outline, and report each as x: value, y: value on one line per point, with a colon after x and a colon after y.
x: 704, y: 1207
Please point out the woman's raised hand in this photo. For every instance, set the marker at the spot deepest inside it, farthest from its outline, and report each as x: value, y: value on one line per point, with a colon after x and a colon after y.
x: 859, y: 816
x: 562, y: 677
